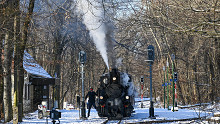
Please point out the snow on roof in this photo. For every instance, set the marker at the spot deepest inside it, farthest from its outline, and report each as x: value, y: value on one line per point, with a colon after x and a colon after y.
x: 32, y: 67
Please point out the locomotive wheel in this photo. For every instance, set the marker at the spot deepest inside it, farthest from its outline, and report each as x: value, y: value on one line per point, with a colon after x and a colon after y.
x: 127, y: 112
x: 101, y: 111
x: 100, y: 114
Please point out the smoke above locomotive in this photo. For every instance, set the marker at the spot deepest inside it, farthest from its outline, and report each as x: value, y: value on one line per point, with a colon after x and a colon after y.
x: 127, y: 82
x: 99, y: 26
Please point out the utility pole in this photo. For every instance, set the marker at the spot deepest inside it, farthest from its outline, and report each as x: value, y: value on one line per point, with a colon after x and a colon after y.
x: 82, y: 59
x: 175, y: 80
x: 173, y: 57
x: 142, y: 92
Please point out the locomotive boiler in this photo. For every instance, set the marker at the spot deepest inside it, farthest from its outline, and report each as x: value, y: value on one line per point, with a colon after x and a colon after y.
x: 115, y: 97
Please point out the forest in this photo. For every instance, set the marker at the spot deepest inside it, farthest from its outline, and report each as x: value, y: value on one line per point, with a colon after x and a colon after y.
x: 55, y: 31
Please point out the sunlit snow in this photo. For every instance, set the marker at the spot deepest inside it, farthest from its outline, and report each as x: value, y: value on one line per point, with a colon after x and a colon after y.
x: 140, y: 115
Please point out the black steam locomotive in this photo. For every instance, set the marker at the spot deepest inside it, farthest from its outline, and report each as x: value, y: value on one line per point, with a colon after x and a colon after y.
x: 114, y: 99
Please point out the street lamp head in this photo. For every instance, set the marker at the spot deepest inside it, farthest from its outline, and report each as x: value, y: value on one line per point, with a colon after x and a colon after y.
x: 142, y: 79
x: 167, y: 63
x: 82, y: 57
x: 150, y: 49
x: 172, y: 57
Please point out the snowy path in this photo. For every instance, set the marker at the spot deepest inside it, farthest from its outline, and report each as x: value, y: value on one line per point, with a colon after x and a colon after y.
x: 140, y: 115
x: 67, y: 117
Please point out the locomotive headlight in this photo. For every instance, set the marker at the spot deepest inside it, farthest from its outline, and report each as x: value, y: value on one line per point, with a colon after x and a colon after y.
x: 101, y: 97
x: 126, y: 97
x: 114, y: 78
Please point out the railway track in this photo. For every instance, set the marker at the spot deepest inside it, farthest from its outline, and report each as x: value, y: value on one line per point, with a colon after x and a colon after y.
x: 167, y: 121
x: 112, y: 121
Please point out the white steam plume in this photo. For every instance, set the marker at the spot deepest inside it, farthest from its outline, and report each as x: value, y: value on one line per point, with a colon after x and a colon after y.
x: 93, y: 19
x: 119, y: 62
x: 129, y: 84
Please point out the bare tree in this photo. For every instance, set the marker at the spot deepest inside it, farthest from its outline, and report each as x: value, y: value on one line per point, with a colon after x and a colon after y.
x: 7, y: 61
x: 1, y: 68
x: 19, y: 52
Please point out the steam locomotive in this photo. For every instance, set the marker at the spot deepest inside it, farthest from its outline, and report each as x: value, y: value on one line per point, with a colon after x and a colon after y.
x: 114, y: 98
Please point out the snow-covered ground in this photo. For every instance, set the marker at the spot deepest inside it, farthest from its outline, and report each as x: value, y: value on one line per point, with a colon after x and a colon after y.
x: 140, y: 115
x: 67, y: 117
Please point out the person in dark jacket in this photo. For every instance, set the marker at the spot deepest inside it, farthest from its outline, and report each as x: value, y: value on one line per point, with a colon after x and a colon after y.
x: 91, y: 94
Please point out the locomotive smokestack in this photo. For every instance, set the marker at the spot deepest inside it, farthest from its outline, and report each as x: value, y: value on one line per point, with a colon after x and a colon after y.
x: 113, y: 63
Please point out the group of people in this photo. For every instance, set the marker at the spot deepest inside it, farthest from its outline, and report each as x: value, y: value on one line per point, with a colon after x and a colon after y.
x: 91, y: 102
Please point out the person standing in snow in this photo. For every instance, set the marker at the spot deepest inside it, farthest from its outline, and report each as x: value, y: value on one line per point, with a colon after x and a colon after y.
x: 91, y: 95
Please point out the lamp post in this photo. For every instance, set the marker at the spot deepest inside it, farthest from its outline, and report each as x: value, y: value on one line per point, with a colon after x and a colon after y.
x: 164, y: 87
x: 174, y: 79
x: 173, y: 58
x: 82, y: 59
x: 168, y: 85
x: 150, y: 49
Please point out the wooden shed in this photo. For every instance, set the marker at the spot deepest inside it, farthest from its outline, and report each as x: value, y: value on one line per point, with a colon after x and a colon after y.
x: 38, y: 84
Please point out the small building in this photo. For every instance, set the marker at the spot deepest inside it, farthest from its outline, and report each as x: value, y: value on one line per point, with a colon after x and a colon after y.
x: 38, y: 84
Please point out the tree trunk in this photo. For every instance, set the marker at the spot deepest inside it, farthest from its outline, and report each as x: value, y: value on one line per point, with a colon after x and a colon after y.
x: 58, y: 51
x: 8, y: 14
x: 190, y: 87
x: 1, y: 68
x: 19, y: 53
x: 180, y: 93
x: 218, y: 69
x: 196, y: 80
x: 57, y: 71
x: 1, y: 73
x: 214, y: 70
x: 1, y: 78
x: 16, y: 60
x: 212, y: 75
x: 8, y: 49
